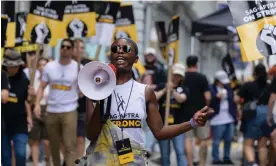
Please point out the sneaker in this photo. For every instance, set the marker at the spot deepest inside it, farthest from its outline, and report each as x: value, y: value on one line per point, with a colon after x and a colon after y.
x: 157, y: 161
x: 148, y: 155
x: 228, y: 162
x: 217, y: 162
x: 252, y: 164
x: 195, y: 163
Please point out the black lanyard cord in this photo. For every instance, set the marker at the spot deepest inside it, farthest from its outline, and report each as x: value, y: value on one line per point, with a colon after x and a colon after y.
x: 118, y: 105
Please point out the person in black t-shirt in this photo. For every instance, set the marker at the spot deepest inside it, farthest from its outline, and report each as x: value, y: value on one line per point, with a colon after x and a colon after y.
x: 4, y: 87
x: 178, y: 97
x: 4, y: 96
x: 199, y: 97
x: 159, y: 75
x: 79, y: 50
x: 16, y: 112
x: 255, y: 128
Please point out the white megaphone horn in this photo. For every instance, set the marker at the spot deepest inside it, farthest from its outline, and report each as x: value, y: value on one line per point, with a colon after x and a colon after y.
x: 96, y: 80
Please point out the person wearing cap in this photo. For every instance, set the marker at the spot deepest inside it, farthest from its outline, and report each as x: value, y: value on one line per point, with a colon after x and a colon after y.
x: 178, y: 97
x: 223, y: 120
x: 159, y: 75
x: 16, y: 112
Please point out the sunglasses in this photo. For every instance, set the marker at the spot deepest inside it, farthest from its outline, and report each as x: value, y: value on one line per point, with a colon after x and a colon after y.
x: 125, y: 48
x: 67, y: 47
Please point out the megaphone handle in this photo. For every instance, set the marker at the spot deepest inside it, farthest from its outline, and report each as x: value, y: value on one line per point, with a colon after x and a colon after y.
x: 105, y: 116
x: 102, y: 111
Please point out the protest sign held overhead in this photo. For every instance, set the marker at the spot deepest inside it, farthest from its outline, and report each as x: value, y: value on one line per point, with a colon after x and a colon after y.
x: 21, y: 45
x: 79, y: 19
x: 20, y: 27
x: 162, y: 36
x: 10, y: 12
x: 256, y: 25
x: 173, y: 40
x: 106, y: 12
x: 228, y: 66
x: 4, y: 24
x: 125, y: 23
x: 126, y: 28
x: 44, y: 22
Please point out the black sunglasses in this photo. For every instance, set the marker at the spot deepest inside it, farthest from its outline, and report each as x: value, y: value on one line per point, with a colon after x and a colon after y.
x: 67, y: 47
x: 125, y: 48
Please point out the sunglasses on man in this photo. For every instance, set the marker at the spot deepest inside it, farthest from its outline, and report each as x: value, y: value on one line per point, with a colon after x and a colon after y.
x: 65, y: 46
x: 125, y: 48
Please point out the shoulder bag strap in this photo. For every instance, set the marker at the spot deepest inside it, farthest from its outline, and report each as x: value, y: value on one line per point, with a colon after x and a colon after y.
x: 261, y: 95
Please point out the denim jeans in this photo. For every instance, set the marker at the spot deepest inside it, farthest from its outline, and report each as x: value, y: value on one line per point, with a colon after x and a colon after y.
x: 150, y: 140
x: 222, y: 132
x: 178, y: 143
x: 20, y: 147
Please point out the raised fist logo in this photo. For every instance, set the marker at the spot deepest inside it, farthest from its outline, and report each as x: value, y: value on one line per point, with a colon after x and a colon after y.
x: 48, y: 3
x: 258, y: 1
x: 41, y: 32
x: 266, y: 40
x: 268, y: 35
x: 77, y: 27
x: 22, y: 23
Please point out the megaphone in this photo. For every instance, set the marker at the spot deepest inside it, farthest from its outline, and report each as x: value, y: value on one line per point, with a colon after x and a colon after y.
x: 96, y: 80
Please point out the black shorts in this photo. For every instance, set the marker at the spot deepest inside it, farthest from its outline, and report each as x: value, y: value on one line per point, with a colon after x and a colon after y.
x: 39, y: 130
x: 81, y: 128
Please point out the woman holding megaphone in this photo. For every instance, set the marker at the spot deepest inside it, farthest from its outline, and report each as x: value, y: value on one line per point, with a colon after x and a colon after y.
x: 118, y: 139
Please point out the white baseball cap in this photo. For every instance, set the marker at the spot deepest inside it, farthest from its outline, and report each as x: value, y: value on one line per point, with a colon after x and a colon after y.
x: 178, y: 68
x: 222, y: 77
x: 150, y: 50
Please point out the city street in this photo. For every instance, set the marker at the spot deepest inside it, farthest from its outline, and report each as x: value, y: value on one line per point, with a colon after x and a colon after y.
x: 236, y: 155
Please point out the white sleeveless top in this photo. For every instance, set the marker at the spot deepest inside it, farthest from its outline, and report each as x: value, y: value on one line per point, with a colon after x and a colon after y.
x: 134, y: 110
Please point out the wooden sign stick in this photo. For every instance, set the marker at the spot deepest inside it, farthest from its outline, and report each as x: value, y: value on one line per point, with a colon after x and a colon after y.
x: 168, y: 96
x: 32, y: 64
x: 98, y: 52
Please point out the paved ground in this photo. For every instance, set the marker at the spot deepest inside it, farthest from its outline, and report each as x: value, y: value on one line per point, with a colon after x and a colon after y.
x: 236, y: 155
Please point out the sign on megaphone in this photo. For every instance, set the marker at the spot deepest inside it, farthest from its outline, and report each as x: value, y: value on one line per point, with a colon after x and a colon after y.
x: 96, y: 80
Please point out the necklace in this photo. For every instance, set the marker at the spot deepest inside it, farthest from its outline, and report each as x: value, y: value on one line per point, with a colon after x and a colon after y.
x: 122, y: 116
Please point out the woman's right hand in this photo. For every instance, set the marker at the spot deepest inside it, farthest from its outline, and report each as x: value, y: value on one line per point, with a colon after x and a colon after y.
x: 37, y: 111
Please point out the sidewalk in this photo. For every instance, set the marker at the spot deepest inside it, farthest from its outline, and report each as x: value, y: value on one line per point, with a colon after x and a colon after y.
x: 236, y: 155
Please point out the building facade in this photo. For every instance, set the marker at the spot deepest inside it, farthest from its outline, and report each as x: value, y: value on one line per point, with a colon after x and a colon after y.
x: 148, y: 12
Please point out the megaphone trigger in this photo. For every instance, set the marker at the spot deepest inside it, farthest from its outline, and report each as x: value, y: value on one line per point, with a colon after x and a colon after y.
x: 97, y: 80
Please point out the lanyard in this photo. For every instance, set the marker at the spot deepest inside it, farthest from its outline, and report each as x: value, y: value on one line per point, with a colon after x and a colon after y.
x: 122, y: 116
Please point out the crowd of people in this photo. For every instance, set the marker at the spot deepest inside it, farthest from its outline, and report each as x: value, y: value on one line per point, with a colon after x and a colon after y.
x: 250, y: 103
x: 50, y: 114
